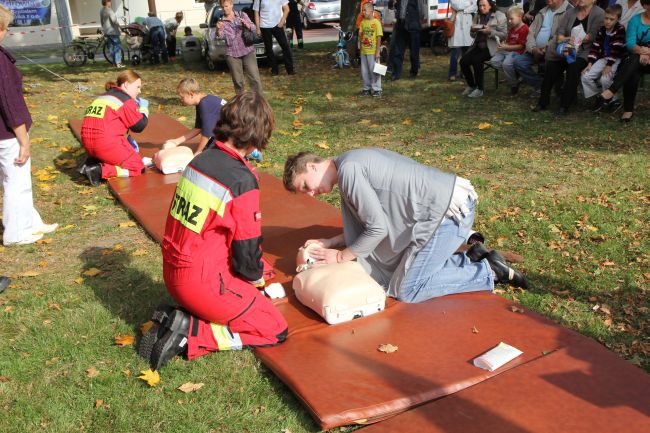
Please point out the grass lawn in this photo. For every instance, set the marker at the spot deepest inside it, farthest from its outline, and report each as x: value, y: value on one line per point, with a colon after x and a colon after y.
x: 569, y: 194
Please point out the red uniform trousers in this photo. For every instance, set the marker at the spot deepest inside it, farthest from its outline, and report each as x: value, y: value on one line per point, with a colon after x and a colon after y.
x: 118, y: 158
x: 229, y: 316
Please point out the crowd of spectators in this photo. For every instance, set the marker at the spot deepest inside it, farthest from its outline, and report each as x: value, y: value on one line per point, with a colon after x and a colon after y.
x: 601, y: 46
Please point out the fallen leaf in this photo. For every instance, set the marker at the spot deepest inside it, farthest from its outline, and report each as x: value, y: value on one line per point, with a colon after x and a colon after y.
x: 364, y: 122
x: 484, y: 125
x: 387, y: 348
x: 9, y: 309
x: 296, y: 134
x: 285, y: 430
x: 323, y: 145
x: 118, y: 247
x: 89, y: 207
x: 151, y: 377
x: 608, y: 322
x: 139, y: 253
x: 516, y: 309
x: 329, y: 96
x: 79, y: 280
x: 181, y: 119
x: 507, y: 123
x: 298, y: 109
x: 52, y: 118
x: 436, y: 110
x: 124, y: 340
x: 98, y: 403
x: 318, y: 122
x: 92, y: 372
x: 92, y: 272
x: 127, y: 224
x: 29, y: 274
x: 297, y: 124
x: 407, y: 121
x: 474, y: 330
x: 127, y: 372
x: 54, y: 306
x: 605, y: 309
x: 68, y: 227
x: 44, y: 241
x: 5, y: 379
x: 146, y: 326
x: 190, y: 387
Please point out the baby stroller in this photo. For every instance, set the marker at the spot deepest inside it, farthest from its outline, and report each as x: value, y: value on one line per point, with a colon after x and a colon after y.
x: 138, y: 42
x: 341, y: 54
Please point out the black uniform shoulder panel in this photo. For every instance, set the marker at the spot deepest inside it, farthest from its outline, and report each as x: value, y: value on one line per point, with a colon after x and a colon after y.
x: 114, y: 91
x: 228, y: 171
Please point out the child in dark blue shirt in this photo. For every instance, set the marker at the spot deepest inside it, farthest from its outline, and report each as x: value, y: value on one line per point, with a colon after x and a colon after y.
x: 208, y: 112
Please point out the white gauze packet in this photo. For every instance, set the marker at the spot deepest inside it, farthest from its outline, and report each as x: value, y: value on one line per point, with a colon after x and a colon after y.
x: 495, y: 358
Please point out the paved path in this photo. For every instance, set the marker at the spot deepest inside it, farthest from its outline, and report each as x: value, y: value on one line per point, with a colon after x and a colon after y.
x: 322, y: 33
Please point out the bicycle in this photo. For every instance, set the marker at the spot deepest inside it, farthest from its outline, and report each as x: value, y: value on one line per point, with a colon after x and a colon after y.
x: 83, y: 48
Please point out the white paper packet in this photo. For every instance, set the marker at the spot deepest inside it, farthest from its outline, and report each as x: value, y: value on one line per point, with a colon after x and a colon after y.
x: 275, y: 291
x: 496, y: 357
x: 577, y: 35
x: 379, y: 69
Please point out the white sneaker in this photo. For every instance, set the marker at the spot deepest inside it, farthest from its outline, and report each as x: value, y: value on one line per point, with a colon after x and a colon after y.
x: 47, y: 228
x: 30, y: 240
x: 467, y: 91
x: 476, y: 93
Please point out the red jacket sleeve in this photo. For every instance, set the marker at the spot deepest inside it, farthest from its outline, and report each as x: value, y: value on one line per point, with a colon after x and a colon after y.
x: 131, y: 117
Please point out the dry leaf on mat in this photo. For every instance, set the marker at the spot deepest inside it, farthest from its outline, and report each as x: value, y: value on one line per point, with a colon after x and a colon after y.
x: 190, y: 387
x: 474, y: 330
x: 387, y: 348
x: 516, y: 309
x: 151, y: 377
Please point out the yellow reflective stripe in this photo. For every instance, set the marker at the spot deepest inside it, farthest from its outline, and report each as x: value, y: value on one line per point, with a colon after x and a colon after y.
x: 98, y: 107
x: 225, y: 340
x: 121, y: 172
x: 144, y: 110
x: 192, y: 204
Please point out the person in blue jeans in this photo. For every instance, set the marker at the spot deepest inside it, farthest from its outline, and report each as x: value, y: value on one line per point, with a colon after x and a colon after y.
x: 402, y: 221
x: 111, y: 31
x: 157, y: 36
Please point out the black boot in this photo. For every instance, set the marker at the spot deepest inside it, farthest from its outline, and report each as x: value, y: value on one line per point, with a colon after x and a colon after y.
x: 174, y: 342
x: 158, y: 328
x: 93, y: 173
x: 475, y: 237
x: 504, y: 273
x: 477, y: 252
x: 4, y: 283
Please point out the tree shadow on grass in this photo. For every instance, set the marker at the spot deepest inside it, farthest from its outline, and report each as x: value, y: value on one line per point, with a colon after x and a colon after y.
x: 127, y: 292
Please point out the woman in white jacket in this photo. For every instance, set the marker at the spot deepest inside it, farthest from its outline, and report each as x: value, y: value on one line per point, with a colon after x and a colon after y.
x: 461, y: 13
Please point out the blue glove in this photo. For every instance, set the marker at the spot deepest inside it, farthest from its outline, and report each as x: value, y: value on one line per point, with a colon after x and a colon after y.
x: 142, y: 103
x: 255, y: 155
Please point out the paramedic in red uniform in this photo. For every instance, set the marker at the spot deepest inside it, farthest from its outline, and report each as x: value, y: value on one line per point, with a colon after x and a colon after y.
x: 104, y: 128
x: 212, y: 255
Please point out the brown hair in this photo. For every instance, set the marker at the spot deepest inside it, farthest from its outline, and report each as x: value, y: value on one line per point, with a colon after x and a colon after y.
x: 6, y: 17
x: 615, y: 9
x: 187, y: 86
x: 221, y: 2
x: 105, y: 1
x: 248, y: 120
x: 128, y: 75
x: 295, y: 165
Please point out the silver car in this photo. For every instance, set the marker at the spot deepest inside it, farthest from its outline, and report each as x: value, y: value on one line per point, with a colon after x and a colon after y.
x: 320, y: 11
x: 214, y: 50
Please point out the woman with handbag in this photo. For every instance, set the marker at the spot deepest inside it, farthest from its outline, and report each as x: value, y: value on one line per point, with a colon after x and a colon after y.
x: 459, y: 14
x: 238, y: 31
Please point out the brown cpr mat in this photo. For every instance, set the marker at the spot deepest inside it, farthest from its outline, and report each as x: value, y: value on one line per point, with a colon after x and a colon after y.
x: 342, y: 378
x: 583, y: 388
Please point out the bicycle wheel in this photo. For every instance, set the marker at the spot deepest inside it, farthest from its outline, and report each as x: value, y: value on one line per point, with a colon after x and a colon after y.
x: 107, y: 54
x: 75, y: 55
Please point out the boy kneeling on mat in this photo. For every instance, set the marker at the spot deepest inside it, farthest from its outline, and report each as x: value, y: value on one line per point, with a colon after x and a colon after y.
x: 208, y: 113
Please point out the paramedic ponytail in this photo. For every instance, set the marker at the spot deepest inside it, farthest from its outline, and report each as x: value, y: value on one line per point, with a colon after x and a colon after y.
x: 128, y: 75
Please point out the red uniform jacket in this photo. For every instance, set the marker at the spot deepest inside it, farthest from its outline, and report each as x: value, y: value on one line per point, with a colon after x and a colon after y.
x: 110, y: 116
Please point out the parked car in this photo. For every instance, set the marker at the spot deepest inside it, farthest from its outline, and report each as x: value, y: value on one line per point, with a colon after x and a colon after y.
x: 320, y: 11
x: 387, y: 13
x: 214, y: 50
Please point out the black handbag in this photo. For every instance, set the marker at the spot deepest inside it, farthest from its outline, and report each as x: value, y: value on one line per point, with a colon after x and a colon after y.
x: 247, y: 35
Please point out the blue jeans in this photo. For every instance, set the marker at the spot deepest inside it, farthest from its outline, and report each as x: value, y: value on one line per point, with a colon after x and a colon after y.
x: 114, y: 48
x: 437, y: 271
x: 456, y: 53
x: 157, y: 35
x: 524, y: 65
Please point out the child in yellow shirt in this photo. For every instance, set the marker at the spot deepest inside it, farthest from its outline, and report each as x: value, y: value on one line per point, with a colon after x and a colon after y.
x: 370, y: 33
